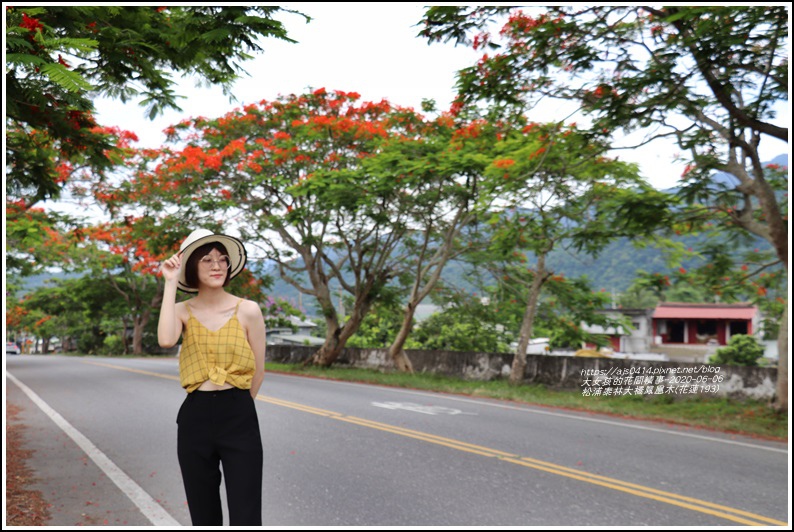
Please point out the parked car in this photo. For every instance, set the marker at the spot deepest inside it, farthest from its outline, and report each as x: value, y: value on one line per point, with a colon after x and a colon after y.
x: 12, y: 348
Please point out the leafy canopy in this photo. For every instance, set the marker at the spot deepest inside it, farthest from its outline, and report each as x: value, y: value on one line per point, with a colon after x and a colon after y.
x: 59, y: 58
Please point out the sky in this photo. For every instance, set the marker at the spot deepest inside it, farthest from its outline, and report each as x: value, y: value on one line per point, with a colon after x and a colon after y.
x: 371, y: 49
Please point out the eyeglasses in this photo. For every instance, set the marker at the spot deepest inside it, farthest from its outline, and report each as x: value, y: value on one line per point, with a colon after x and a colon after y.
x: 223, y: 261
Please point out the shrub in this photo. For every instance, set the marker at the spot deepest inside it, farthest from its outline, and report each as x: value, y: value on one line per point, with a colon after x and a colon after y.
x: 113, y: 345
x: 742, y: 350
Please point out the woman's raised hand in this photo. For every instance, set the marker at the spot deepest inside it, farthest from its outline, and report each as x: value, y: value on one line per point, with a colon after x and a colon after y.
x: 170, y: 267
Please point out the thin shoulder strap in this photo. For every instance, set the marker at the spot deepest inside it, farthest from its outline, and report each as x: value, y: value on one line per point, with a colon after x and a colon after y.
x: 188, y: 309
x: 238, y: 306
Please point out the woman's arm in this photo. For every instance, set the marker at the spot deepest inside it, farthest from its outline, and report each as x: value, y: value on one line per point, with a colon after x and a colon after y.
x: 169, y: 328
x: 254, y: 324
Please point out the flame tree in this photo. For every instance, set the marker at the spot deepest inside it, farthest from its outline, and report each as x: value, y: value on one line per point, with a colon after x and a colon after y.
x: 707, y: 78
x: 339, y: 194
x: 279, y: 172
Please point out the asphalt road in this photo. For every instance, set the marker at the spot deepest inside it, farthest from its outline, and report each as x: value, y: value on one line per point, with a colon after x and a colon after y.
x: 103, y: 432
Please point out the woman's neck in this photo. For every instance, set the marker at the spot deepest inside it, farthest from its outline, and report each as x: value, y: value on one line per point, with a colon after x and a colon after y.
x: 210, y: 297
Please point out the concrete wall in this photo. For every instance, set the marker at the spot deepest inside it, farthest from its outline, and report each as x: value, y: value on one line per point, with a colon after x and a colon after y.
x: 573, y: 373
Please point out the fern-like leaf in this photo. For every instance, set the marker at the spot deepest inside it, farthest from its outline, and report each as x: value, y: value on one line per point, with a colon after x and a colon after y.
x: 68, y: 80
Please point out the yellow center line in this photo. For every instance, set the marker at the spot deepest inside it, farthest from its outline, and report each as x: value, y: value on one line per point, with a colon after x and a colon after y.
x: 619, y: 485
x: 132, y: 370
x: 717, y: 510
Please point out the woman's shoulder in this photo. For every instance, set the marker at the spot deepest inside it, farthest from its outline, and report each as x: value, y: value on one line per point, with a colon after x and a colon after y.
x: 185, y: 305
x: 182, y: 308
x: 249, y: 306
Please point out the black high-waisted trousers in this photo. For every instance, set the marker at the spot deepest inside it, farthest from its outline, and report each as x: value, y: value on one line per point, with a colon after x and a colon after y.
x: 221, y: 428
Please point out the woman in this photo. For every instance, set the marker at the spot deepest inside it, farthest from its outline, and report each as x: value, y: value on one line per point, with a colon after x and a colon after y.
x: 221, y: 366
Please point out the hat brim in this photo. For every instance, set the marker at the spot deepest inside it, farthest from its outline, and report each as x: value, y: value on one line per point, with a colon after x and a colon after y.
x: 234, y: 247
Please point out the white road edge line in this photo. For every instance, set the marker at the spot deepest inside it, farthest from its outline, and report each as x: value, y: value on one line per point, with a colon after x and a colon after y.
x: 145, y: 503
x: 557, y: 414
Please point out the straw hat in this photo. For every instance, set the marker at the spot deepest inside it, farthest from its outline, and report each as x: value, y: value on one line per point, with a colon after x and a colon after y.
x: 198, y: 238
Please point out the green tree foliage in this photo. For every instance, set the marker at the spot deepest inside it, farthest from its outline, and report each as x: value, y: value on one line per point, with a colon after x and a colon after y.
x: 121, y: 254
x: 720, y: 70
x: 559, y: 189
x: 742, y: 350
x: 380, y: 326
x: 59, y: 58
x: 637, y: 297
x: 468, y: 322
x: 81, y: 311
x: 564, y: 305
x: 443, y: 173
x: 706, y: 77
x: 35, y: 239
x: 277, y: 311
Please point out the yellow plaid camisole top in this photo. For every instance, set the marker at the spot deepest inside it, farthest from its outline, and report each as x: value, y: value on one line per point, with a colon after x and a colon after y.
x: 222, y: 356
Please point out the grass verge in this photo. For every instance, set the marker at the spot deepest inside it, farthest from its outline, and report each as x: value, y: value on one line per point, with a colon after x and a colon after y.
x: 747, y: 417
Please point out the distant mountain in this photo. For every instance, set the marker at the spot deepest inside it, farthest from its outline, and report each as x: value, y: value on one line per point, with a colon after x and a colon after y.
x: 781, y: 160
x: 40, y: 280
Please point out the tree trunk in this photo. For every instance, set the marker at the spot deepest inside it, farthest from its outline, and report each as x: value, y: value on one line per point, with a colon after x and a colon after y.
x: 333, y: 346
x: 778, y: 237
x: 137, y: 334
x: 778, y: 229
x: 401, y: 361
x: 330, y: 350
x: 140, y: 322
x: 337, y: 337
x: 525, y: 334
x: 125, y: 347
x: 396, y: 353
x: 123, y: 335
x: 781, y: 392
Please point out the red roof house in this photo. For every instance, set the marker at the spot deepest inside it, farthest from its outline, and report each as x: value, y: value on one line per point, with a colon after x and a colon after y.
x: 702, y: 323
